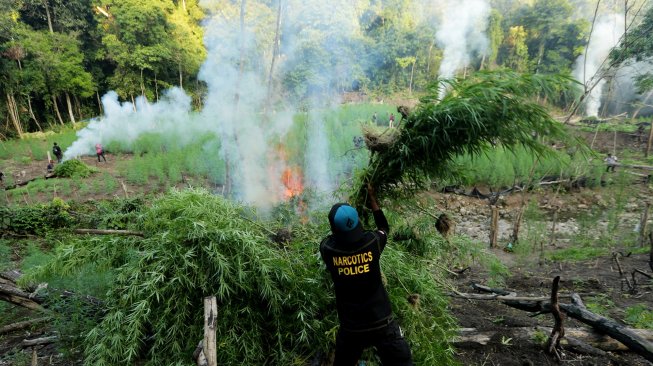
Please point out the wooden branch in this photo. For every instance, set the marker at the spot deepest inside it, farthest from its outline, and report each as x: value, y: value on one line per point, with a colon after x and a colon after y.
x: 558, y: 332
x: 38, y: 341
x: 17, y: 297
x: 642, y: 273
x: 198, y: 355
x: 615, y: 257
x: 21, y: 325
x: 108, y: 232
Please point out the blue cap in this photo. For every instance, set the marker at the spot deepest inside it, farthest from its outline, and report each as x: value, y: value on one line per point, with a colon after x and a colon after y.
x: 346, y: 218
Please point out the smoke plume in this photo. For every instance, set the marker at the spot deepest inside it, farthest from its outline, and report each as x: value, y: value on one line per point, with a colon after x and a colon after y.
x: 589, y: 70
x: 461, y: 33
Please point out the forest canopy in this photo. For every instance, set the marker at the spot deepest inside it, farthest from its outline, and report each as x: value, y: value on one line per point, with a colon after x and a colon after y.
x: 59, y: 57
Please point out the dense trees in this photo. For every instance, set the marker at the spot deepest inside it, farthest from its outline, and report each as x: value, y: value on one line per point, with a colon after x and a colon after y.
x: 57, y: 57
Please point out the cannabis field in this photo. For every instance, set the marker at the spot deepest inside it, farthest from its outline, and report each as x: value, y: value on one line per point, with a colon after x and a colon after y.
x: 135, y: 296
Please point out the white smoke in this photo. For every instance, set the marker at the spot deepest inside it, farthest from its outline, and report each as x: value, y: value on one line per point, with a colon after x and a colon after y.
x: 317, y: 156
x: 318, y: 38
x: 605, y: 36
x: 461, y: 33
x: 171, y: 115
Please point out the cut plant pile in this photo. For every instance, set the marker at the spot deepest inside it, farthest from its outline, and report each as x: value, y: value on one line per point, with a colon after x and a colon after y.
x: 73, y: 168
x: 275, y: 304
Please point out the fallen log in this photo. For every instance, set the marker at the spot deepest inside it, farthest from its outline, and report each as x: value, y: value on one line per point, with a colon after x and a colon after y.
x: 21, y: 325
x: 18, y: 297
x: 588, y: 336
x: 38, y: 341
x: 108, y: 232
x: 602, y: 324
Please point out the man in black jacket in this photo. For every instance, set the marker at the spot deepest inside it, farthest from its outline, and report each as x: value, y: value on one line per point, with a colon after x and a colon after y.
x: 352, y: 257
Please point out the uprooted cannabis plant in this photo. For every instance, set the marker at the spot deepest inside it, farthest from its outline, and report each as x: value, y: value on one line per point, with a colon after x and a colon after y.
x: 275, y: 304
x: 488, y: 109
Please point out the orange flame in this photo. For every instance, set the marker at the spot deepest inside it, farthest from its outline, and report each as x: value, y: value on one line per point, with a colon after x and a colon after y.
x: 292, y: 180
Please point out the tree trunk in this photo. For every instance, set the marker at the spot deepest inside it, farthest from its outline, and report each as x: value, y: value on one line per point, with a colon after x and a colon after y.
x: 31, y: 113
x: 99, y: 102
x: 275, y: 52
x: 47, y: 13
x: 183, y: 3
x: 412, y: 73
x: 181, y: 77
x: 71, y: 114
x: 156, y: 88
x: 13, y: 115
x: 78, y: 107
x: 142, y: 84
x: 56, y: 109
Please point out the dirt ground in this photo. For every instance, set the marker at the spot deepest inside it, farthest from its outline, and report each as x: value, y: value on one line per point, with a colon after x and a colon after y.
x: 592, y: 278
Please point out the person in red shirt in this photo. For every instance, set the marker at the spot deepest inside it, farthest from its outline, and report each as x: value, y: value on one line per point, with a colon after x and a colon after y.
x: 100, y: 152
x: 352, y: 256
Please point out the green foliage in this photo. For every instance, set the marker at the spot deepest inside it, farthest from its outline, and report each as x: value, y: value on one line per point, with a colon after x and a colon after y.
x: 488, y: 108
x: 578, y: 253
x: 639, y: 316
x: 497, y: 273
x: 276, y: 305
x: 74, y: 168
x: 5, y: 254
x: 37, y: 219
x: 600, y: 304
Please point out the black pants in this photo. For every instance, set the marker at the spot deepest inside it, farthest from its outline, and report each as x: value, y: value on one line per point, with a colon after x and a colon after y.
x: 59, y: 156
x: 102, y: 155
x: 390, y: 345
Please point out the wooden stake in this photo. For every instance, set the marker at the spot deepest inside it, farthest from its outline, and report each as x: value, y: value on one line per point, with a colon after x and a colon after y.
x: 494, y: 227
x: 643, y: 225
x: 650, y: 237
x: 35, y: 357
x: 209, y: 344
x: 649, y: 142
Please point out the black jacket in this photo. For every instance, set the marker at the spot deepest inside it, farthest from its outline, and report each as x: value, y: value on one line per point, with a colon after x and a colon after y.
x: 361, y: 298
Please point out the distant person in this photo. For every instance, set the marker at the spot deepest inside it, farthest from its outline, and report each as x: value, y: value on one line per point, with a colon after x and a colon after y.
x: 2, y: 177
x: 50, y: 168
x: 640, y: 132
x: 392, y: 120
x: 611, y: 162
x: 374, y: 118
x: 56, y: 150
x: 100, y: 152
